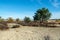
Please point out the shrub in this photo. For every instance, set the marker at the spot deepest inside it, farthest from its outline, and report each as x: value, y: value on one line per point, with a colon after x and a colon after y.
x: 17, y: 20
x: 3, y: 27
x: 16, y: 26
x: 23, y: 23
x: 47, y: 37
x: 10, y: 20
x: 27, y: 19
x: 32, y: 23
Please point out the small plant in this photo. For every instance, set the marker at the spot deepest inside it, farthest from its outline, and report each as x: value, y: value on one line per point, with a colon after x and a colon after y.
x: 3, y: 27
x: 47, y: 37
x: 17, y: 20
x: 33, y: 23
x: 16, y: 26
x: 27, y: 19
x: 10, y: 20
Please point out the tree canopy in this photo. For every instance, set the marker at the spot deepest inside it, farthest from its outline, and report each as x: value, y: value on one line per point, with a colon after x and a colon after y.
x: 42, y: 15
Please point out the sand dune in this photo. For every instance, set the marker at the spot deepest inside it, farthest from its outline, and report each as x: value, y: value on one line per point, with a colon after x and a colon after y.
x: 30, y: 33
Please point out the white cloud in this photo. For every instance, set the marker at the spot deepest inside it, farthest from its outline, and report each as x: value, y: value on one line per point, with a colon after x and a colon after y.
x: 55, y: 3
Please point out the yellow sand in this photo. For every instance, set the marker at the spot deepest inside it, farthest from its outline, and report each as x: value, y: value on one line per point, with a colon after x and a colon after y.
x: 30, y: 33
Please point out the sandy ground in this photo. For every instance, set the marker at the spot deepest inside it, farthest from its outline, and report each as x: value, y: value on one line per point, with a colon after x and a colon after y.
x: 30, y: 33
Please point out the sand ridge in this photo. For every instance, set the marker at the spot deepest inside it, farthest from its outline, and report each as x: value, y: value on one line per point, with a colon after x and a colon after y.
x: 30, y: 33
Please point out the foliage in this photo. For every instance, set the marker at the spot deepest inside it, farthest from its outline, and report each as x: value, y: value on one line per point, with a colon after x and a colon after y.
x: 16, y: 26
x: 32, y: 23
x: 17, y: 20
x: 57, y: 20
x: 3, y: 27
x: 47, y: 37
x: 1, y: 19
x: 42, y: 15
x: 27, y: 19
x: 10, y: 19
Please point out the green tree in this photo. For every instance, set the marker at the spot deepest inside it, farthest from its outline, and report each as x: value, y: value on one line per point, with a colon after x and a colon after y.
x: 27, y: 19
x: 42, y: 15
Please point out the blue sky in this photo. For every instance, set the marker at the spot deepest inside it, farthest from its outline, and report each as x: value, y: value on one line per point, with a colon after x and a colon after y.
x: 22, y: 8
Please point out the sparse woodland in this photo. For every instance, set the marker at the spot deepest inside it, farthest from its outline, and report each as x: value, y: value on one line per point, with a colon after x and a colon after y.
x: 39, y: 19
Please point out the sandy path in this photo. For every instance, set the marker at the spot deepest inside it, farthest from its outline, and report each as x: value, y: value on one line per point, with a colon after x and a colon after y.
x: 30, y: 33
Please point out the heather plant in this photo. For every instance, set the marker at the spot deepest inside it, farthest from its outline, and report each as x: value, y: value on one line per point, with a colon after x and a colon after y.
x: 10, y: 20
x: 16, y: 26
x: 27, y: 19
x: 47, y: 37
x: 17, y: 20
x: 3, y: 27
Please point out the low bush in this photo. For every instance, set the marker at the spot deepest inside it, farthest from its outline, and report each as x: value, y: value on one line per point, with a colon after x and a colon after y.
x: 27, y: 20
x: 32, y: 23
x: 47, y: 37
x: 3, y: 27
x: 37, y: 23
x: 16, y: 26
